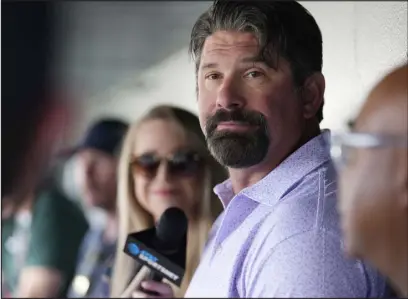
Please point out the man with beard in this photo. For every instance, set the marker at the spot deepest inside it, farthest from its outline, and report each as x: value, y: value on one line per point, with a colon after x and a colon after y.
x: 260, y: 96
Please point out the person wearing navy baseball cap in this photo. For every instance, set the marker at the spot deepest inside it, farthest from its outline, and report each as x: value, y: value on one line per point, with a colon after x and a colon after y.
x: 105, y: 135
x: 95, y: 167
x: 95, y: 177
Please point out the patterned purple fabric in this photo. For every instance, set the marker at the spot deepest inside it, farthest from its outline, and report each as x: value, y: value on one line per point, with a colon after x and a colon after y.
x: 281, y: 238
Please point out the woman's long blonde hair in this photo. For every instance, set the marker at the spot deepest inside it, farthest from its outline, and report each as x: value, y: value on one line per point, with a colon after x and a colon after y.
x: 132, y: 217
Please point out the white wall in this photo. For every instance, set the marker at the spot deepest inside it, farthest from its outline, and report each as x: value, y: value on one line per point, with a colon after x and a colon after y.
x: 362, y: 41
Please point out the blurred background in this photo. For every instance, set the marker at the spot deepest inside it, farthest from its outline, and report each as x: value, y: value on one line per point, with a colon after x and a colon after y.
x: 122, y: 58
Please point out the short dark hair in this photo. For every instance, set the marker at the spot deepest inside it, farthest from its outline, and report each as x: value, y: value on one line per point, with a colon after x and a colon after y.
x: 283, y: 28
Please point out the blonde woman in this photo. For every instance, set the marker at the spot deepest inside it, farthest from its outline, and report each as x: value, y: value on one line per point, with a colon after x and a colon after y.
x: 165, y: 163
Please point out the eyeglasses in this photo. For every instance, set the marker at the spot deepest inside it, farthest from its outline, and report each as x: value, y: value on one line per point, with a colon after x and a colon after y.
x: 342, y: 144
x: 180, y: 164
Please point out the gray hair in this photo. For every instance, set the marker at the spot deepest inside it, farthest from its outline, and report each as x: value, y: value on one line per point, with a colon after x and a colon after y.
x: 283, y: 29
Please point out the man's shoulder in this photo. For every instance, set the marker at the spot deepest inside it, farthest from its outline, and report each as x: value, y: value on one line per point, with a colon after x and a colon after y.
x: 285, y: 246
x: 315, y: 185
x: 50, y: 197
x: 308, y: 206
x: 54, y: 198
x: 53, y: 204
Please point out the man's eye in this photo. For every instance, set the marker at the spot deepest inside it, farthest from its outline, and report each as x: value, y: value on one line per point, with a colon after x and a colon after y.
x: 212, y: 76
x: 253, y: 74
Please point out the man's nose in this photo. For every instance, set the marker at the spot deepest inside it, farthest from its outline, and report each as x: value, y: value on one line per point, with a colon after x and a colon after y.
x: 229, y: 96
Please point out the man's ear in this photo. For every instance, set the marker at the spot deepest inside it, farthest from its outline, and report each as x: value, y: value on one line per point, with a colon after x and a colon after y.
x: 313, y: 94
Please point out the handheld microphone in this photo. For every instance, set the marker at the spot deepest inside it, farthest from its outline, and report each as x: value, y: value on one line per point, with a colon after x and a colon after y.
x: 160, y: 250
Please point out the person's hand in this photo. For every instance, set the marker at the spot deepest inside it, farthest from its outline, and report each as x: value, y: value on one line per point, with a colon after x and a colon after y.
x: 162, y: 289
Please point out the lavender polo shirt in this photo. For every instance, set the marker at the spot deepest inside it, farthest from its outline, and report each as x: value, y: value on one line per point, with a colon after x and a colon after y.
x: 280, y: 237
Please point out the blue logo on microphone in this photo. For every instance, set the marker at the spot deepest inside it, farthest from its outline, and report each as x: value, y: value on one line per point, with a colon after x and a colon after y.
x: 133, y: 249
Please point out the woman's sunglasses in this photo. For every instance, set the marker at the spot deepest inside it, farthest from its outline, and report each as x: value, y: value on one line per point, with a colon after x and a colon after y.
x: 180, y: 164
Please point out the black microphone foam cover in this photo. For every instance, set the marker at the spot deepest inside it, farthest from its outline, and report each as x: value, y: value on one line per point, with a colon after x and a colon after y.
x: 171, y: 227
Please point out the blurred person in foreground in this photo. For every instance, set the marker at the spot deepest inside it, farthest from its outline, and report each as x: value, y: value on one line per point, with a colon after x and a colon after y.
x: 32, y: 117
x: 34, y: 259
x: 165, y: 163
x: 96, y: 161
x: 373, y: 164
x: 260, y: 92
